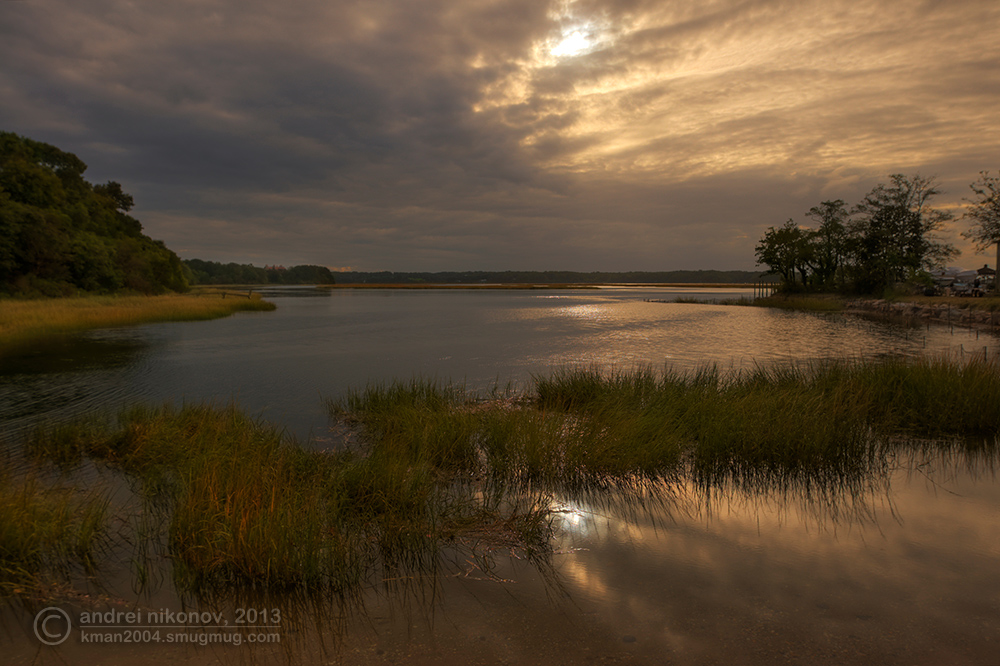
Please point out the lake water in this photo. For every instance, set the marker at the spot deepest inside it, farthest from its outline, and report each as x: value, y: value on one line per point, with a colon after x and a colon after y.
x: 903, y: 569
x: 320, y: 343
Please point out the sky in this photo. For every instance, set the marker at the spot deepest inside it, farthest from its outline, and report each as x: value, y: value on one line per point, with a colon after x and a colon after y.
x: 434, y: 135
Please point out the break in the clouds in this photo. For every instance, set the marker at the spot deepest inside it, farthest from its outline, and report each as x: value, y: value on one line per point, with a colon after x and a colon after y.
x: 472, y: 134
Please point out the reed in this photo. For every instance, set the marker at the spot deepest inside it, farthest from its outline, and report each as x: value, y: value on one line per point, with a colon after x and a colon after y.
x: 801, y: 302
x: 46, y: 533
x: 245, y: 507
x: 29, y: 321
x: 585, y: 428
x: 740, y: 300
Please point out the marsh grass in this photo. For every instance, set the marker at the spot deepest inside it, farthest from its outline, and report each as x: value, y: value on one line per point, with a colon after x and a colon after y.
x: 25, y: 322
x: 583, y: 428
x: 741, y: 300
x: 246, y: 508
x: 46, y: 533
x: 817, y: 303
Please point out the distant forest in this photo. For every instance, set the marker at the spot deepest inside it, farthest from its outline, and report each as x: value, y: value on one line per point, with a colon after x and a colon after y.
x: 549, y: 277
x: 212, y: 272
x: 60, y: 234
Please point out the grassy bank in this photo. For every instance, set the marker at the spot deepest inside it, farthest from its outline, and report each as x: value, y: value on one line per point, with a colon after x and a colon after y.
x: 27, y: 321
x: 812, y: 303
x: 806, y: 303
x: 837, y: 303
x: 244, y: 507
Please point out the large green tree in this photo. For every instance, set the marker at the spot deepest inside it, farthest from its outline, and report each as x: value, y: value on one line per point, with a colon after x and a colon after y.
x: 894, y: 232
x: 60, y: 234
x: 984, y: 211
x: 785, y: 251
x: 829, y: 243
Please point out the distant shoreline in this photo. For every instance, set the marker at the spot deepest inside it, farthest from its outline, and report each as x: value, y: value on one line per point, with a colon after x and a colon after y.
x: 589, y: 285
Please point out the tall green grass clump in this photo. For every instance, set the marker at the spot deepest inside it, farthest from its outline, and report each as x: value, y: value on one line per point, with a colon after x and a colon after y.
x: 247, y: 508
x: 933, y: 397
x: 244, y: 505
x: 585, y: 428
x: 767, y: 420
x: 46, y: 533
x: 416, y: 422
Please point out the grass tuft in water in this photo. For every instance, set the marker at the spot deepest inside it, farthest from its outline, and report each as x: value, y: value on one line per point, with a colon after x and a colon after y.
x: 46, y: 533
x: 246, y: 507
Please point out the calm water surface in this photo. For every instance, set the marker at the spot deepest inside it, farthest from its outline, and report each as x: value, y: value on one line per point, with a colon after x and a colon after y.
x: 281, y: 364
x: 899, y: 568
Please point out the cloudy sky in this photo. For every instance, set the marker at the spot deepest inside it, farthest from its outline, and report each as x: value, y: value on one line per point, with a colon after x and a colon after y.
x: 511, y: 134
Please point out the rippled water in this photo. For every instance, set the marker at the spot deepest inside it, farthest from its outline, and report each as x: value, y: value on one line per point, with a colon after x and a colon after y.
x: 899, y: 567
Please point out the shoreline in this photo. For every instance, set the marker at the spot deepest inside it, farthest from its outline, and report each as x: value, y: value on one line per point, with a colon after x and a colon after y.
x: 553, y: 285
x: 27, y: 322
x: 933, y: 312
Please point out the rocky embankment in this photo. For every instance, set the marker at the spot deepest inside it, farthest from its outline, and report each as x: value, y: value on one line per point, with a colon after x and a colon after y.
x: 942, y: 313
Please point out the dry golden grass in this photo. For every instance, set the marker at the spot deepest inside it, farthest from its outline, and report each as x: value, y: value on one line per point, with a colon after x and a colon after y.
x: 28, y: 321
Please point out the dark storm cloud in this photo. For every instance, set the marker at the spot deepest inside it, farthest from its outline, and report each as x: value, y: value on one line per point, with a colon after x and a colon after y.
x: 451, y: 135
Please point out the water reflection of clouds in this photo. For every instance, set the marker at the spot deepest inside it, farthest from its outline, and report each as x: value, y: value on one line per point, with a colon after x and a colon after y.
x: 915, y: 562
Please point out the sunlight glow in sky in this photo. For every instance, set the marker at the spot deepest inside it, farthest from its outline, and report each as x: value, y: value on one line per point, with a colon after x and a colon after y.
x: 572, y: 44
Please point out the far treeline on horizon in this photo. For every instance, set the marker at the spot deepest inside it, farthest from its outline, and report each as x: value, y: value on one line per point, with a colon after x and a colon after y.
x: 61, y: 235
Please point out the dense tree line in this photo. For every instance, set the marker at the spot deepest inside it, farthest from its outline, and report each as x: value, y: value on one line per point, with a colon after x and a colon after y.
x: 60, y: 234
x: 548, y: 277
x: 887, y: 238
x: 211, y: 272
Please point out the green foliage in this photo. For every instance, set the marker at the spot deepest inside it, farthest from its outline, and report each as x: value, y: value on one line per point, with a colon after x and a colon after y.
x: 829, y: 243
x: 984, y: 211
x: 59, y: 234
x: 888, y: 238
x: 212, y: 272
x: 785, y: 251
x: 584, y: 428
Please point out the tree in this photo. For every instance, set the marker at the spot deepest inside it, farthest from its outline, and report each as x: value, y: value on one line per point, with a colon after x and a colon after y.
x: 829, y: 242
x: 59, y: 233
x: 984, y: 210
x: 889, y: 237
x: 784, y: 251
x: 894, y: 235
x: 113, y: 191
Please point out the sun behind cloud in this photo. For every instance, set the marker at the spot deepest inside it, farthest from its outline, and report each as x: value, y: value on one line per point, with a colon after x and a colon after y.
x: 572, y: 44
